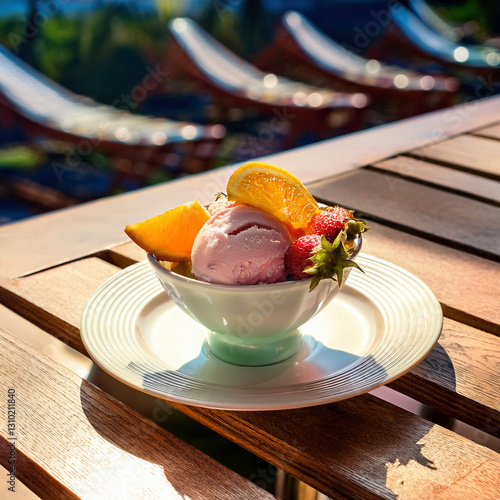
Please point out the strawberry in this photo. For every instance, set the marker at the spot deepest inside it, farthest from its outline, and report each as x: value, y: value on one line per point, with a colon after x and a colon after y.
x: 298, y: 256
x: 331, y: 221
x: 313, y: 255
x: 328, y: 252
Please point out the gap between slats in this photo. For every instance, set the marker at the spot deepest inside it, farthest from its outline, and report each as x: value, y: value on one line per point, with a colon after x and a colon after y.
x: 468, y: 152
x: 343, y: 435
x: 466, y: 283
x: 491, y: 132
x: 420, y: 210
x: 441, y: 177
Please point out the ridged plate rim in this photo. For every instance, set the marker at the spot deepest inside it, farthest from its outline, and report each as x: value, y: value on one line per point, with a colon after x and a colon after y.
x: 412, y: 324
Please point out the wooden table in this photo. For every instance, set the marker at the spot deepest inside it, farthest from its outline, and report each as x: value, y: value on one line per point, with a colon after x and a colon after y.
x: 429, y: 187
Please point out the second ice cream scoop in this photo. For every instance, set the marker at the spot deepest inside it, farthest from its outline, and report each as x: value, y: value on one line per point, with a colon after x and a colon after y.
x: 241, y: 245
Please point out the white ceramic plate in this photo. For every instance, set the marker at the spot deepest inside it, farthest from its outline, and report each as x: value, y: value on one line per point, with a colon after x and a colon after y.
x: 381, y: 325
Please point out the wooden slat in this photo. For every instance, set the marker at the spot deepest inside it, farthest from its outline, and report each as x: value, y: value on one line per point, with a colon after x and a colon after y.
x: 125, y: 255
x: 99, y: 225
x: 492, y: 132
x: 474, y: 186
x: 460, y: 377
x: 468, y: 152
x: 45, y: 343
x: 440, y: 216
x: 363, y: 448
x: 74, y: 441
x: 54, y: 299
x: 446, y: 270
x: 20, y: 492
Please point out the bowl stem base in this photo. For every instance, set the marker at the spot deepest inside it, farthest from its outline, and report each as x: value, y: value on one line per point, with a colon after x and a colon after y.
x: 253, y: 351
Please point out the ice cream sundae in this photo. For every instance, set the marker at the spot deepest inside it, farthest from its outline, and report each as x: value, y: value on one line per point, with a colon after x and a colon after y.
x: 255, y: 264
x: 266, y: 229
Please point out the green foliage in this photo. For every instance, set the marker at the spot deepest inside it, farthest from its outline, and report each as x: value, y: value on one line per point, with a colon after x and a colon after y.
x: 101, y: 53
x: 167, y: 9
x: 484, y: 12
x: 20, y: 157
x: 11, y: 29
x: 241, y: 25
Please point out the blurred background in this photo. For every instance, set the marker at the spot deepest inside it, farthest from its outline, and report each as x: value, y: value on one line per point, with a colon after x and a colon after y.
x: 348, y: 66
x: 101, y: 97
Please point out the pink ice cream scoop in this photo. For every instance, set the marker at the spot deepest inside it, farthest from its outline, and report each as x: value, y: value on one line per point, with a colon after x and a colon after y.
x: 241, y: 245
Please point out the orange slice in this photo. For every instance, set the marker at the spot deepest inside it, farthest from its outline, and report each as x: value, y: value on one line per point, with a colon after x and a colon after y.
x: 170, y: 236
x: 275, y: 191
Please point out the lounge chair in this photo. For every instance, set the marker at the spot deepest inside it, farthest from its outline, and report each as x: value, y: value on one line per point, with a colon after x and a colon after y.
x: 236, y: 83
x: 45, y: 108
x: 407, y: 35
x: 300, y: 45
x: 464, y: 33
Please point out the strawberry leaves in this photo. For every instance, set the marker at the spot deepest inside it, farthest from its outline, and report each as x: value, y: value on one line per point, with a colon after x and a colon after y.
x: 331, y: 258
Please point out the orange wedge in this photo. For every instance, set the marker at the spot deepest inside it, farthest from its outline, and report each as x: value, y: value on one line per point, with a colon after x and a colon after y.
x: 170, y: 236
x: 275, y: 191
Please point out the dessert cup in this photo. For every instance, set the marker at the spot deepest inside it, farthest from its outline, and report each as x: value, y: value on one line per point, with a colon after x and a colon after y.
x: 250, y: 325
